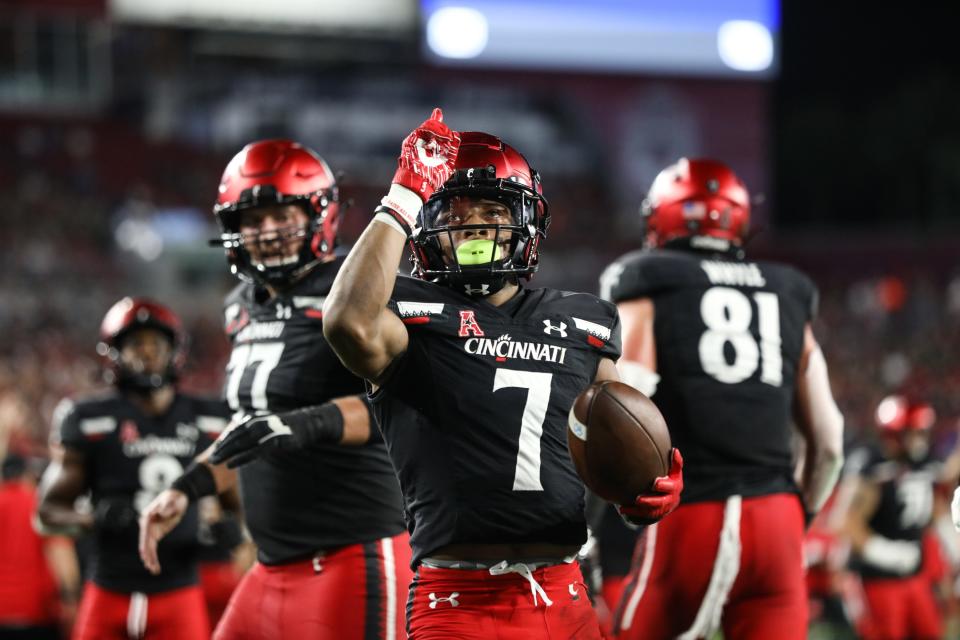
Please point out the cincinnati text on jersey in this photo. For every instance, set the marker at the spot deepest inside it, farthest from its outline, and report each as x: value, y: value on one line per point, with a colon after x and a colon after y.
x: 152, y: 444
x: 504, y: 348
x: 260, y: 331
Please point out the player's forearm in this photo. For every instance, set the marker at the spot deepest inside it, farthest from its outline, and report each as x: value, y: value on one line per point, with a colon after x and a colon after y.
x: 224, y: 477
x: 821, y: 425
x: 57, y: 517
x: 359, y: 295
x: 62, y: 560
x: 347, y: 419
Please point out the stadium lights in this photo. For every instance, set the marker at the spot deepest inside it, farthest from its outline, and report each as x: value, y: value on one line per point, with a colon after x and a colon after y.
x: 745, y: 45
x: 457, y: 32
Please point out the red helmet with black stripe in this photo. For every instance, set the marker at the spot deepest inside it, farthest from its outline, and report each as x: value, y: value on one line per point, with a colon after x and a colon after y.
x: 697, y: 197
x: 270, y: 172
x: 128, y: 315
x: 485, y: 168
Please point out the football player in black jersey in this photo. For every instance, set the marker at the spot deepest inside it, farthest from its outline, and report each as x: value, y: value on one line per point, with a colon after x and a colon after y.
x: 889, y: 513
x: 724, y: 347
x: 472, y: 378
x: 124, y: 447
x: 327, y: 519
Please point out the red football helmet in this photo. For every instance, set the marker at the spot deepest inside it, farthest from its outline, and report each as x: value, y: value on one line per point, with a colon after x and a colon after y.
x: 897, y: 414
x: 488, y: 168
x: 696, y: 198
x: 278, y: 172
x: 136, y: 313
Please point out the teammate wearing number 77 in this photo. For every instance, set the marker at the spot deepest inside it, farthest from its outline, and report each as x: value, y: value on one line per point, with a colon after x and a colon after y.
x: 326, y: 518
x: 472, y: 377
x: 725, y: 349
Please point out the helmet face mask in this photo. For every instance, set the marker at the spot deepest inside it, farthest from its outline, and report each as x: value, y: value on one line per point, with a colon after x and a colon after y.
x: 272, y: 173
x: 487, y: 173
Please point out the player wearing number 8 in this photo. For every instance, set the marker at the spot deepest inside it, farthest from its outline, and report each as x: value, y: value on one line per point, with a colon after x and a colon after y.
x: 473, y: 377
x: 724, y: 347
x: 125, y: 446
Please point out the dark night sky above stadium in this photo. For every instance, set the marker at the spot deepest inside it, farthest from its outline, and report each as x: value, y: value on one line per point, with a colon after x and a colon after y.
x: 867, y: 116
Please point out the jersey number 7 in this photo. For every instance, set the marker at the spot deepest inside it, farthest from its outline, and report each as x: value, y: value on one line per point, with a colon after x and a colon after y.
x: 527, y: 474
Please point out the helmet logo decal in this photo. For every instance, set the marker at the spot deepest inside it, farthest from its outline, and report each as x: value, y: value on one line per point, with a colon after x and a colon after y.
x: 468, y: 324
x: 561, y: 329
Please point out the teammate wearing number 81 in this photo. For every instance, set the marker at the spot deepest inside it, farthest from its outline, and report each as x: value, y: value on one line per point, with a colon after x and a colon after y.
x: 724, y: 347
x: 472, y: 379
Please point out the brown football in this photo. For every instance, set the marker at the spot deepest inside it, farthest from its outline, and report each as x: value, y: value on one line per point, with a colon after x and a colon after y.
x: 619, y: 441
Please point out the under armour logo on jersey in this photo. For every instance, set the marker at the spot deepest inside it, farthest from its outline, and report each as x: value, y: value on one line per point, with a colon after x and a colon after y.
x: 284, y: 312
x: 468, y: 325
x: 561, y: 329
x: 451, y: 599
x: 482, y: 290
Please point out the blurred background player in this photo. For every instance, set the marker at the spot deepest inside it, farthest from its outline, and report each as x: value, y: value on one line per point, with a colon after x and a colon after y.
x: 724, y: 347
x: 39, y: 575
x: 333, y: 555
x: 472, y: 377
x: 889, y: 522
x: 125, y: 446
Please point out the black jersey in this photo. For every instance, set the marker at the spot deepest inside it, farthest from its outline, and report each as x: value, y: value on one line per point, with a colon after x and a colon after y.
x: 130, y: 457
x: 729, y: 337
x: 475, y: 412
x: 905, y: 508
x: 299, y: 503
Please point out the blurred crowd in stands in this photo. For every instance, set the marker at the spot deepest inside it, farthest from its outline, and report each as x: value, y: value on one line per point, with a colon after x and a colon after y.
x: 886, y: 326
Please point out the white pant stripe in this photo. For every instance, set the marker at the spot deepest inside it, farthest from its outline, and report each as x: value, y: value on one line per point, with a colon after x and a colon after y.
x: 631, y: 609
x: 390, y: 577
x: 726, y: 566
x: 137, y: 616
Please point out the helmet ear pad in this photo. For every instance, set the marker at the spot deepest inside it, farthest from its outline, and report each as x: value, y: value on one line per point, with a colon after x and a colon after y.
x: 270, y: 172
x: 485, y: 169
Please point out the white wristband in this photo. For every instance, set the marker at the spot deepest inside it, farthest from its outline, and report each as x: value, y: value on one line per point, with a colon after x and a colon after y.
x: 405, y: 202
x: 391, y: 222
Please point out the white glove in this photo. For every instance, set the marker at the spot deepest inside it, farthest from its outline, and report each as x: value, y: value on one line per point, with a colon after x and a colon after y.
x: 896, y: 556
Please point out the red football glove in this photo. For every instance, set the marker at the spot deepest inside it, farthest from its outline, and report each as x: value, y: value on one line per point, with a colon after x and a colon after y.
x: 665, y: 497
x: 426, y: 161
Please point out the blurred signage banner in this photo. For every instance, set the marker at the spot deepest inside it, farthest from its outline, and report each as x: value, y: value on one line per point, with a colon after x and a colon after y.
x: 276, y: 15
x: 729, y: 38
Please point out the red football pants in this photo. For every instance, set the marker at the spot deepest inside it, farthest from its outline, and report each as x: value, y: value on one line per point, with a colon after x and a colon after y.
x: 901, y: 608
x: 355, y: 592
x: 218, y: 581
x: 739, y: 562
x: 472, y: 604
x: 180, y: 614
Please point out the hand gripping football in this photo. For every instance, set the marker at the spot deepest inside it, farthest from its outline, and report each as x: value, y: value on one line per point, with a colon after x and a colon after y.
x: 618, y: 441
